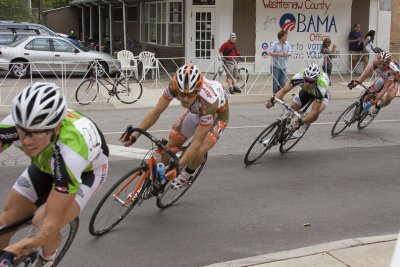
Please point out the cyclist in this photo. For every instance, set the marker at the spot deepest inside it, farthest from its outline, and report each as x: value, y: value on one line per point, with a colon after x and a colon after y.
x: 205, y: 117
x: 382, y: 70
x: 229, y: 54
x: 315, y: 86
x: 69, y: 162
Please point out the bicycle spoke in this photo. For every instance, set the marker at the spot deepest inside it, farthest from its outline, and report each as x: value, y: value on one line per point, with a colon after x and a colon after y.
x: 87, y: 92
x: 348, y: 116
x: 129, y: 91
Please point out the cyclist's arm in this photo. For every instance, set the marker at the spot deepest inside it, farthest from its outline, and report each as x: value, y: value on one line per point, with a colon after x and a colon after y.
x: 151, y: 118
x: 286, y: 89
x: 8, y: 133
x: 56, y: 211
x: 365, y: 74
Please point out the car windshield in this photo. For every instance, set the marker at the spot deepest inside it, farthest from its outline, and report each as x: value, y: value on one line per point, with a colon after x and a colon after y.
x: 16, y: 43
x: 81, y: 47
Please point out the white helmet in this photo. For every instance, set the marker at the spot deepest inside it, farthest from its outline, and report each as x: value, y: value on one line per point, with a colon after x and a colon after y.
x: 188, y: 79
x: 385, y: 56
x: 394, y: 67
x: 40, y: 106
x: 311, y: 72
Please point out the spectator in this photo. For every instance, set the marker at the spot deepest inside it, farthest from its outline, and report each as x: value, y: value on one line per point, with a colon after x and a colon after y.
x: 328, y: 55
x: 356, y: 47
x: 368, y: 45
x: 280, y: 51
x: 229, y: 54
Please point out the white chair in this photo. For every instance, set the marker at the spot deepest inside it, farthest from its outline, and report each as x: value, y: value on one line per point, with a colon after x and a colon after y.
x: 149, y: 62
x: 125, y: 57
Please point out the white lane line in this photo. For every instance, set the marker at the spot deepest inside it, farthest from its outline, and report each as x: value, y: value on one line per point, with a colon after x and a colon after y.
x: 128, y: 152
x: 254, y: 126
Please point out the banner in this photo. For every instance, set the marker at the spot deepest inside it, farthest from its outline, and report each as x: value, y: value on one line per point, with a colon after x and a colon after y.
x: 307, y: 22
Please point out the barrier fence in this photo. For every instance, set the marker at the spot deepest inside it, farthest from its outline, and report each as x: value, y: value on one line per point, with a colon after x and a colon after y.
x: 68, y: 75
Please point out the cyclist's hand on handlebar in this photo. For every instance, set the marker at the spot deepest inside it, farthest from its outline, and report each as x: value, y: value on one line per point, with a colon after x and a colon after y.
x: 352, y: 84
x: 270, y: 102
x: 7, y: 259
x: 127, y: 138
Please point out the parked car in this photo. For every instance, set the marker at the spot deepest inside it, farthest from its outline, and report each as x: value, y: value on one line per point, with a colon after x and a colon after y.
x: 6, y: 25
x: 51, y: 54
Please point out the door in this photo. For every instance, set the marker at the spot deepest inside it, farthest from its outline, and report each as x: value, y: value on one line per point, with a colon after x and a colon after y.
x: 203, y: 29
x: 38, y: 52
x: 67, y: 57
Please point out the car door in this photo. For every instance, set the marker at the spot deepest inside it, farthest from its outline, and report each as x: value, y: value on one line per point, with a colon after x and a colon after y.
x: 38, y: 51
x: 70, y: 56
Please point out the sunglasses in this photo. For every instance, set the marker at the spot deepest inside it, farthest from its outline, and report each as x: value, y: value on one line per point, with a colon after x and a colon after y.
x: 309, y: 80
x: 35, y: 136
x: 189, y: 95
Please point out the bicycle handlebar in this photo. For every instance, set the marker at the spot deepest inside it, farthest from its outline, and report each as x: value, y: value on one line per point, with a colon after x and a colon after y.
x: 130, y: 129
x: 285, y: 106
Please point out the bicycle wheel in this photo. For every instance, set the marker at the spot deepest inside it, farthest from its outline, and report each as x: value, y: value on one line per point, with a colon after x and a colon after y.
x: 112, y: 208
x: 365, y: 119
x: 348, y: 116
x: 288, y: 141
x: 169, y: 196
x: 129, y: 90
x: 242, y: 77
x: 68, y: 233
x: 258, y: 148
x: 87, y: 91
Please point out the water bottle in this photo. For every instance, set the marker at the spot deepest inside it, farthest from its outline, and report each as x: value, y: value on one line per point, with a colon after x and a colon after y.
x: 366, y: 105
x: 161, y: 173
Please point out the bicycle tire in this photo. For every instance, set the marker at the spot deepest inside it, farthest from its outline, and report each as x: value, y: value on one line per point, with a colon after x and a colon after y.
x: 365, y: 120
x: 97, y: 231
x: 260, y: 139
x: 242, y: 79
x: 347, y: 121
x: 128, y: 91
x: 165, y: 204
x: 285, y: 139
x: 27, y: 260
x: 86, y: 87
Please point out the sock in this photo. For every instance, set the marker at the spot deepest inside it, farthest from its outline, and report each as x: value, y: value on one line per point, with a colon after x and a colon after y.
x: 52, y: 257
x: 189, y: 170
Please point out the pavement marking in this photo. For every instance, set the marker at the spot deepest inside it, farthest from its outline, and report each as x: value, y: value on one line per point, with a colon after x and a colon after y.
x: 128, y: 152
x: 254, y: 126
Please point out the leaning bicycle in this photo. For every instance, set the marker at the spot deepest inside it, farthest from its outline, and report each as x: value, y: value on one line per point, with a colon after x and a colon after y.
x: 242, y: 76
x: 355, y: 112
x: 279, y: 132
x: 128, y: 90
x: 138, y: 185
x: 68, y: 234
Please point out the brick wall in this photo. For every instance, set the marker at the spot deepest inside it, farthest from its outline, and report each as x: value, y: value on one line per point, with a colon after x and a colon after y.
x: 395, y: 27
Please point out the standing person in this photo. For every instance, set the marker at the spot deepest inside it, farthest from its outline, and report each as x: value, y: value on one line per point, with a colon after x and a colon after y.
x: 328, y: 55
x: 356, y: 46
x: 229, y: 55
x: 368, y: 45
x: 69, y: 162
x: 280, y: 51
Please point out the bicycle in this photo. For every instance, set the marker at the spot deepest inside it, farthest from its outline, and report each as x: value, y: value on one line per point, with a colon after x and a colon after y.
x: 242, y: 76
x: 137, y: 185
x: 279, y: 132
x: 68, y: 232
x: 128, y: 90
x: 355, y: 112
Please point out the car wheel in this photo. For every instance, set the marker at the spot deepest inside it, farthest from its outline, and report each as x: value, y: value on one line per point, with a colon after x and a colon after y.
x: 20, y: 70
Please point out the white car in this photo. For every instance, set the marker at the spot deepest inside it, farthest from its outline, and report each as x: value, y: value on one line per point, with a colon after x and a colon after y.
x: 51, y: 54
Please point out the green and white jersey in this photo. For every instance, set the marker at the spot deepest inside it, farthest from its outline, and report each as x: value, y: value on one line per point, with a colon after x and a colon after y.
x: 320, y: 89
x: 72, y: 151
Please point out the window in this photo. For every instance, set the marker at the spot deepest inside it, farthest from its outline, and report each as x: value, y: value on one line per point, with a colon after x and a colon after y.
x: 164, y: 23
x: 63, y: 46
x: 40, y: 44
x: 117, y: 14
x: 132, y: 13
x: 203, y: 2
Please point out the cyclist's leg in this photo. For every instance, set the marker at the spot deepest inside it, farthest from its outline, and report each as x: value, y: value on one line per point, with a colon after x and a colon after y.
x: 390, y: 95
x: 235, y: 73
x: 229, y: 71
x: 300, y: 99
x: 376, y: 87
x: 182, y: 129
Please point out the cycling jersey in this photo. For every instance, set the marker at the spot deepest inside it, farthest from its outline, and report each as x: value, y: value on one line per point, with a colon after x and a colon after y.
x: 211, y: 104
x: 383, y: 73
x: 210, y: 109
x: 321, y: 88
x: 78, y: 148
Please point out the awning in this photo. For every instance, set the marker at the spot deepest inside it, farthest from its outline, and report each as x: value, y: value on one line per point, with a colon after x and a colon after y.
x: 101, y: 2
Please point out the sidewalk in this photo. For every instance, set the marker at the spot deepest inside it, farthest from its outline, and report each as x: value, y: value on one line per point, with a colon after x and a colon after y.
x: 357, y: 252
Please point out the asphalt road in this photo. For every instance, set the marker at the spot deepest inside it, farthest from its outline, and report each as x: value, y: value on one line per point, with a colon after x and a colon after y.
x: 344, y: 187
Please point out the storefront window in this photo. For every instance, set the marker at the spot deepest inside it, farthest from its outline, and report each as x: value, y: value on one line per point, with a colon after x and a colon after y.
x: 203, y: 2
x: 163, y: 23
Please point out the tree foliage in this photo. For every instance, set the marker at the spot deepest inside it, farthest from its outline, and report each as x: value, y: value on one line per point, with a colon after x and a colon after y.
x: 14, y: 10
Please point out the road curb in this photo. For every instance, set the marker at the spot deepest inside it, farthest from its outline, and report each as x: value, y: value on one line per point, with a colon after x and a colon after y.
x: 306, y: 251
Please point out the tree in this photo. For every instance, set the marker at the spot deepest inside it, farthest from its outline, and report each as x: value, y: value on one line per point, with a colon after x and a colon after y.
x: 14, y: 10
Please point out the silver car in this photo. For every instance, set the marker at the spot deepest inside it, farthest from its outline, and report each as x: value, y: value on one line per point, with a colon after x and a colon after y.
x: 51, y: 54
